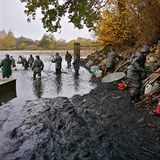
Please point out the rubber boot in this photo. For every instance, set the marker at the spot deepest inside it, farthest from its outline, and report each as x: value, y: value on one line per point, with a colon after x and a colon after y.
x: 137, y: 99
x: 132, y: 99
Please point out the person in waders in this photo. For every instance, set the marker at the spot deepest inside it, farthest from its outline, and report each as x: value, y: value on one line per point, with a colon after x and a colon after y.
x: 58, y: 62
x: 37, y: 67
x: 30, y: 61
x: 6, y: 67
x: 13, y: 62
x: 141, y: 57
x: 68, y: 58
x: 24, y: 62
x: 111, y: 61
x: 134, y: 78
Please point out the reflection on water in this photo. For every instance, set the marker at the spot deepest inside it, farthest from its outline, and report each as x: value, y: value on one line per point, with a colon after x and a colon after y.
x: 38, y: 88
x: 8, y: 96
x: 76, y: 82
x: 58, y: 82
x: 51, y: 85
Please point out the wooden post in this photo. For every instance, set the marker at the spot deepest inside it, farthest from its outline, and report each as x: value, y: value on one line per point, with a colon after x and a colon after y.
x: 76, y: 62
x: 77, y: 49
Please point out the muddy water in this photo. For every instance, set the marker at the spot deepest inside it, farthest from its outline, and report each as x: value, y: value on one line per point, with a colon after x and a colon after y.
x: 50, y: 85
x: 14, y: 113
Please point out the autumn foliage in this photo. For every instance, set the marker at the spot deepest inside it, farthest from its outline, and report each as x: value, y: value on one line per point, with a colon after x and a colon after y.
x: 7, y: 40
x: 129, y: 21
x: 113, y: 21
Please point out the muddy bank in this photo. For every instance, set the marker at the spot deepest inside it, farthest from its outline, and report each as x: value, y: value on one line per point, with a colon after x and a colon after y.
x: 101, y: 125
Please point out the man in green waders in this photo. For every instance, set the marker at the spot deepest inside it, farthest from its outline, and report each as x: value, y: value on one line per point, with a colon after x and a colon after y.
x: 6, y: 67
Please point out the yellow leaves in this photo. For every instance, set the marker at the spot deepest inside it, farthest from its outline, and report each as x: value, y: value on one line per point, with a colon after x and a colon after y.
x: 8, y: 41
x: 116, y: 27
x: 123, y: 21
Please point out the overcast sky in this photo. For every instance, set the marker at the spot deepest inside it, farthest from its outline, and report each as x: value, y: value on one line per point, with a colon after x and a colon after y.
x: 12, y: 17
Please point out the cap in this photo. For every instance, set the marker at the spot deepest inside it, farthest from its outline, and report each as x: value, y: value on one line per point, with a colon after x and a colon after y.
x: 145, y: 48
x: 7, y: 55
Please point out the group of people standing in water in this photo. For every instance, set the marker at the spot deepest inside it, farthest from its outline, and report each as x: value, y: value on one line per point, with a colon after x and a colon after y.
x: 37, y: 65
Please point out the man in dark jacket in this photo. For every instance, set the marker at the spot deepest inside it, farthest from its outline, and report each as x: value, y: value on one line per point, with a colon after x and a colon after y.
x: 68, y: 58
x: 6, y: 67
x: 24, y: 62
x: 134, y: 77
x: 141, y: 55
x: 37, y: 67
x: 111, y: 61
x: 58, y: 62
x: 30, y: 60
x: 13, y: 62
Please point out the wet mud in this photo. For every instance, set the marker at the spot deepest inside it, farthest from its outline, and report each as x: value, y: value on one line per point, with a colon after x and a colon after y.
x: 100, y: 125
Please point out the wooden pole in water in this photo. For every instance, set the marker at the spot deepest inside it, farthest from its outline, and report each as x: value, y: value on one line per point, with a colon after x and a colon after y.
x: 77, y: 49
x: 76, y: 62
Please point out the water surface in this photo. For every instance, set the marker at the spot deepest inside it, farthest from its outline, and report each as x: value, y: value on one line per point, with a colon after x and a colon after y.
x: 50, y: 85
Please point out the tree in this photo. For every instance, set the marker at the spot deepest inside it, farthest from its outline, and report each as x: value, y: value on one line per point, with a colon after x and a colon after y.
x: 9, y: 41
x: 21, y: 45
x: 129, y: 21
x: 126, y: 19
x: 3, y: 34
x: 116, y: 26
x: 146, y: 14
x: 84, y: 41
x: 52, y: 41
x: 61, y: 43
x: 71, y: 43
x: 79, y: 12
x: 47, y: 41
x: 1, y: 43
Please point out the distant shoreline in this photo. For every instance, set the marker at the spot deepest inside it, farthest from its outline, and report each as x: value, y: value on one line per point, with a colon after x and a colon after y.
x: 83, y: 52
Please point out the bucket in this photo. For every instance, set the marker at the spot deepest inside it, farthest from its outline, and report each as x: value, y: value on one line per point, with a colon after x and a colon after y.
x: 149, y: 88
x: 94, y: 69
x: 157, y: 110
x: 98, y: 73
x: 121, y: 86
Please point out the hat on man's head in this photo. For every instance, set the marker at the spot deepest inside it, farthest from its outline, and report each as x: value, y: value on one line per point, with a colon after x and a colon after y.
x: 7, y: 55
x: 145, y: 48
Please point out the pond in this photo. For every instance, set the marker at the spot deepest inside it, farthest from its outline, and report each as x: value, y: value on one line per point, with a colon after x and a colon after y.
x: 14, y: 112
x: 50, y: 85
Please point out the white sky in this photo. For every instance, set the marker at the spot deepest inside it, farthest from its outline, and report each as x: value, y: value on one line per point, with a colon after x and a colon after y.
x: 12, y: 17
